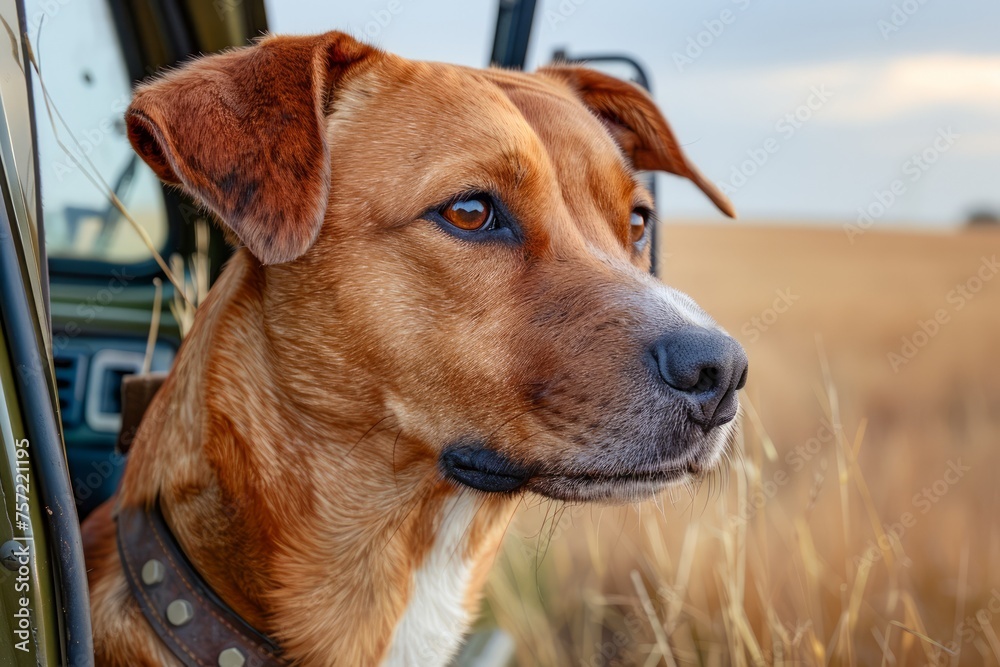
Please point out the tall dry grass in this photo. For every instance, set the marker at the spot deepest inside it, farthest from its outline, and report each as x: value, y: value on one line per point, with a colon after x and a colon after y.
x: 859, y: 523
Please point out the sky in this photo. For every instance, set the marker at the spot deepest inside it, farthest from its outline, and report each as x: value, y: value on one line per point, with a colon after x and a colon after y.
x: 883, y: 111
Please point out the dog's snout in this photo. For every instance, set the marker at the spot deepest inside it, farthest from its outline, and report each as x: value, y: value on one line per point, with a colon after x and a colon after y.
x: 706, y: 367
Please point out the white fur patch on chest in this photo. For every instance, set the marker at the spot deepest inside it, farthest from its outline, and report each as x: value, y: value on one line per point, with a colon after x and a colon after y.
x: 435, y: 620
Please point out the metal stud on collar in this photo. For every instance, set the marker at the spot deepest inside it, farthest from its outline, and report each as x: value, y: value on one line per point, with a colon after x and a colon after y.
x: 194, y: 625
x: 153, y: 572
x: 179, y: 612
x: 231, y: 657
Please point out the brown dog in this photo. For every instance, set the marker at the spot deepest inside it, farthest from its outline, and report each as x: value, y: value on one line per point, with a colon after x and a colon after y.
x: 442, y: 301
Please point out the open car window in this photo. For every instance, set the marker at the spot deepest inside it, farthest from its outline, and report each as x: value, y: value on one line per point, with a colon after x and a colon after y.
x: 82, y: 146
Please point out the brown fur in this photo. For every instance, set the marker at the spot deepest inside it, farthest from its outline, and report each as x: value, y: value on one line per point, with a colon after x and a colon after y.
x: 295, y: 445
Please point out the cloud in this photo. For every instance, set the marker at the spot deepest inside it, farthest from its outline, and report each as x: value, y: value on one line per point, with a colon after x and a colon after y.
x: 875, y: 91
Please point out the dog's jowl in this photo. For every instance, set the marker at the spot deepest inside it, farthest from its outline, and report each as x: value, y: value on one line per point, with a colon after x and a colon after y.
x: 440, y: 302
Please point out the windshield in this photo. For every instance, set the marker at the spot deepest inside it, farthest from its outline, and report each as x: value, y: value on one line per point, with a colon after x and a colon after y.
x: 82, y: 146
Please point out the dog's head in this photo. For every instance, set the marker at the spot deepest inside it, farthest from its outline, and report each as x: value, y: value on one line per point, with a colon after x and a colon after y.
x: 467, y: 249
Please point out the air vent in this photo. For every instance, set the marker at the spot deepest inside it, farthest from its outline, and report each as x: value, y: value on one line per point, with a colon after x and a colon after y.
x: 104, y: 391
x: 71, y: 373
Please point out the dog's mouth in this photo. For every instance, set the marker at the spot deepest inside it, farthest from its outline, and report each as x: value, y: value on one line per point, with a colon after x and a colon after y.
x: 486, y: 470
x: 620, y: 487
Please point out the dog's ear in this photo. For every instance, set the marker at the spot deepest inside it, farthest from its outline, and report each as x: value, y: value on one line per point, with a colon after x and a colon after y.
x: 636, y: 124
x: 244, y: 132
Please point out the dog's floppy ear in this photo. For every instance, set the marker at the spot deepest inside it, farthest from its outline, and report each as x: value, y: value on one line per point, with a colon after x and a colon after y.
x: 244, y: 132
x: 636, y: 124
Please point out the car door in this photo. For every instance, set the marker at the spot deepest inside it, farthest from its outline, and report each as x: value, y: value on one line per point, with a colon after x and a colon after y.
x: 43, y: 585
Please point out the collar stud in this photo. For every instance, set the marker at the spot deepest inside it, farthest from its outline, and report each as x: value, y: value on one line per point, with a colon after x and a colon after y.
x: 231, y: 657
x: 179, y: 612
x: 153, y: 572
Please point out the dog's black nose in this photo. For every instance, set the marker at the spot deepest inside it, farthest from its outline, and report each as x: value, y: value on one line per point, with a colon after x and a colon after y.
x: 706, y: 367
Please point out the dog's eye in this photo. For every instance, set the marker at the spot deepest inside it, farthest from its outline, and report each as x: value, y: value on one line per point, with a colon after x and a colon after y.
x: 637, y: 224
x: 471, y: 214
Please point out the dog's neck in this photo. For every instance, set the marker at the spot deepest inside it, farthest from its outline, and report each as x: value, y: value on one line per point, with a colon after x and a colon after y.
x: 305, y: 509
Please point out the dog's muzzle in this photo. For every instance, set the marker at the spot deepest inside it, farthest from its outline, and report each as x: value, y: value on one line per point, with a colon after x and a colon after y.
x: 691, y: 375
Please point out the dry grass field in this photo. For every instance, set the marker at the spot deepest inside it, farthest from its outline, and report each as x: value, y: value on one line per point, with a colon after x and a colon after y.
x: 860, y: 522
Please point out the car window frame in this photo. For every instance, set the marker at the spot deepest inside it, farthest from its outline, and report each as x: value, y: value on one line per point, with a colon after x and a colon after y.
x: 148, y: 268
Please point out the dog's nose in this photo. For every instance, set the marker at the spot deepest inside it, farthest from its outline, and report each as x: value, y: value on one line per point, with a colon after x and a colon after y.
x: 706, y: 367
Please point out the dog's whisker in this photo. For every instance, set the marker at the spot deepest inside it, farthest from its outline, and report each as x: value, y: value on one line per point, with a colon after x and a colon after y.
x: 658, y: 502
x: 460, y: 544
x: 412, y: 505
x: 369, y: 431
x: 536, y: 538
x: 557, y: 518
x: 540, y: 555
x: 621, y: 531
x: 392, y: 459
x: 512, y: 420
x: 445, y: 520
x: 510, y: 519
x: 549, y: 519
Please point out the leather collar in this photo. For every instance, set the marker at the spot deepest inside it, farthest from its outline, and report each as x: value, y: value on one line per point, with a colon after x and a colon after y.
x: 192, y: 621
